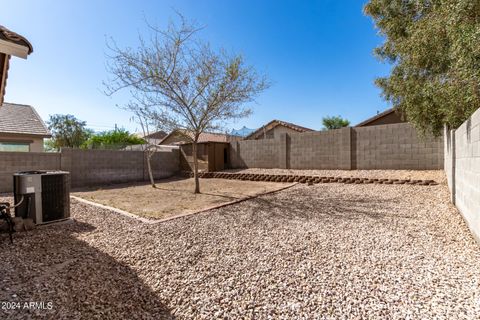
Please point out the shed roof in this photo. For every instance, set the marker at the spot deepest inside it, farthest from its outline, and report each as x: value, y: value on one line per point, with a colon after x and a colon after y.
x: 21, y: 119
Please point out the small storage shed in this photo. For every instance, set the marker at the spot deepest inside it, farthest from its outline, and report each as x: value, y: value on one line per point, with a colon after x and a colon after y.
x: 212, y: 156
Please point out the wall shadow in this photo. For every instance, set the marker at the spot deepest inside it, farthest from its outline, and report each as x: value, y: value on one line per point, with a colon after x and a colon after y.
x: 469, y: 129
x: 158, y: 182
x: 50, y: 264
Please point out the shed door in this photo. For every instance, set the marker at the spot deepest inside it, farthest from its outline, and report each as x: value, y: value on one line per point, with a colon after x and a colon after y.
x: 220, y: 154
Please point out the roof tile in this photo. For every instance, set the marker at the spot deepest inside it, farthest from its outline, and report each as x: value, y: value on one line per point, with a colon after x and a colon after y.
x: 21, y: 119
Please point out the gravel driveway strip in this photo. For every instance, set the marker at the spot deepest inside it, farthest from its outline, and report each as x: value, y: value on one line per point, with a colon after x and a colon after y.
x: 331, y: 251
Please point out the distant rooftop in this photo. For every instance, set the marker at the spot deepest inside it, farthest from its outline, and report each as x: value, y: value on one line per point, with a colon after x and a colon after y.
x: 204, y: 137
x: 388, y: 116
x: 156, y: 135
x: 272, y: 124
x: 21, y: 119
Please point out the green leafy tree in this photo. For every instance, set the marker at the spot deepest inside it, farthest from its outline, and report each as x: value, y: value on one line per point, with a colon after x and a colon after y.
x: 48, y: 145
x: 67, y: 131
x: 113, y: 139
x: 335, y: 122
x: 434, y: 46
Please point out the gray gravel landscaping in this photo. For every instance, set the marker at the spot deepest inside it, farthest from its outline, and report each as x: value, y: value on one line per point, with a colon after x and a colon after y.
x: 327, y: 251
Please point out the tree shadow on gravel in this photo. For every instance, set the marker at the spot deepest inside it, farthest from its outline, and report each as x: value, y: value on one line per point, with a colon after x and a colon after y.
x: 50, y: 264
x: 330, y: 206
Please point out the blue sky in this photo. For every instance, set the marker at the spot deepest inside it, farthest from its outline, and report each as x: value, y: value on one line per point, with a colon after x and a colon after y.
x: 318, y: 54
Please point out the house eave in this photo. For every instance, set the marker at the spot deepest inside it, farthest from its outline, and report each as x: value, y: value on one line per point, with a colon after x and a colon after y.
x: 24, y: 135
x: 14, y: 49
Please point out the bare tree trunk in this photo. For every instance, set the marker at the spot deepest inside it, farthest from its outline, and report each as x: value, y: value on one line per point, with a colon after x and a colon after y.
x: 195, y: 167
x: 149, y: 168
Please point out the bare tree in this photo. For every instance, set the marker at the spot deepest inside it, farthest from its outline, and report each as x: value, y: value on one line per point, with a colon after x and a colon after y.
x: 142, y: 116
x: 181, y: 83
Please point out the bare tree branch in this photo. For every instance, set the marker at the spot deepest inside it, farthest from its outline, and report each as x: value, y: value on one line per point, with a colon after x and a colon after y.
x: 178, y: 82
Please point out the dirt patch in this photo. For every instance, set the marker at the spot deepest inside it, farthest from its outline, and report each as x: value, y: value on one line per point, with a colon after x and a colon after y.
x: 175, y: 196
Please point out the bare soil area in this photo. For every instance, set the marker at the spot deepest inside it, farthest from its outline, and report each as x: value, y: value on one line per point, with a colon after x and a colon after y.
x: 175, y: 196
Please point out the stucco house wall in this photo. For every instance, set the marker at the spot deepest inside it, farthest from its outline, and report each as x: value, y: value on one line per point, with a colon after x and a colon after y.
x: 35, y: 142
x: 20, y: 124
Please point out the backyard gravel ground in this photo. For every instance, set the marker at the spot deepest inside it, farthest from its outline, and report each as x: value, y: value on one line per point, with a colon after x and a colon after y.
x: 327, y: 251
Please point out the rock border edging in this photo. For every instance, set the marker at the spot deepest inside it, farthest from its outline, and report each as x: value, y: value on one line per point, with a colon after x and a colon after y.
x: 308, y: 179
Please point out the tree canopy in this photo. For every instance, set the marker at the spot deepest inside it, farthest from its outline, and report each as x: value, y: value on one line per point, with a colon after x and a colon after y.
x: 335, y: 122
x: 434, y: 48
x: 113, y: 139
x: 67, y: 131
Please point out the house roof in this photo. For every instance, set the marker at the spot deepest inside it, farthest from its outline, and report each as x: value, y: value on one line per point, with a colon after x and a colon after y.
x: 156, y: 135
x: 21, y: 119
x: 15, y: 38
x: 376, y: 117
x: 143, y: 147
x: 204, y: 137
x: 4, y: 66
x: 11, y: 44
x: 274, y: 123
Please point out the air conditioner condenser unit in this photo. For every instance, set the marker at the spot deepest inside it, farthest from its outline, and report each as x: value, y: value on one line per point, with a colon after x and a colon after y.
x: 44, y: 196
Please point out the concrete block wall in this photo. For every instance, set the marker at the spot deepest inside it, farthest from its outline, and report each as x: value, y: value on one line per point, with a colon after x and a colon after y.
x: 462, y: 167
x: 321, y: 149
x: 90, y: 167
x: 395, y: 146
x: 256, y: 153
x: 11, y: 162
x: 164, y: 164
x: 390, y: 146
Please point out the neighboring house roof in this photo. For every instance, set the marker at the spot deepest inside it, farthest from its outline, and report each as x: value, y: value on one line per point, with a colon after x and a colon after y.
x: 156, y: 135
x: 21, y: 119
x: 143, y: 147
x: 274, y: 123
x: 386, y: 117
x: 17, y: 40
x: 204, y: 137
